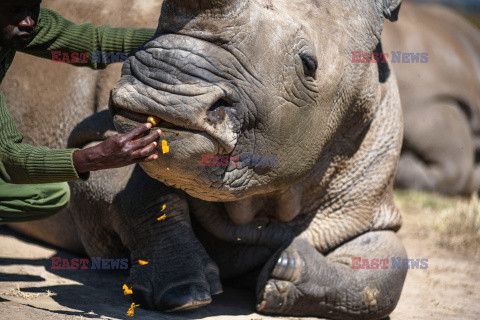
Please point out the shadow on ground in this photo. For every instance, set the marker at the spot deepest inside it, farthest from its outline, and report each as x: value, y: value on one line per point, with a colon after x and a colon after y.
x: 90, y: 294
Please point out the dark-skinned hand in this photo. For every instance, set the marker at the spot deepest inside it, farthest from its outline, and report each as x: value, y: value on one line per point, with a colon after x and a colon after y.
x: 119, y: 151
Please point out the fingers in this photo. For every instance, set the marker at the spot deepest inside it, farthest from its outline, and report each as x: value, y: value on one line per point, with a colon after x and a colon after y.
x: 145, y: 141
x: 145, y: 152
x: 150, y: 158
x: 137, y: 131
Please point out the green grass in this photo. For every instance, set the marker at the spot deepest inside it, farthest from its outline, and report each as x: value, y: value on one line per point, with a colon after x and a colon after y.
x: 473, y: 18
x: 454, y: 220
x: 410, y: 199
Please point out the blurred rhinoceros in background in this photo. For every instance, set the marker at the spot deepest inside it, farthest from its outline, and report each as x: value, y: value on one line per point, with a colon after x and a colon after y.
x: 440, y: 99
x: 228, y: 78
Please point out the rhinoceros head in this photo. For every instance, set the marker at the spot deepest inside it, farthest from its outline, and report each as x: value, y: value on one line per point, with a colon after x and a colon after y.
x: 241, y: 78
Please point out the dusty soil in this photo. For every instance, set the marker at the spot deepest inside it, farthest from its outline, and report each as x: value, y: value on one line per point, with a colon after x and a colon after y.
x: 30, y: 289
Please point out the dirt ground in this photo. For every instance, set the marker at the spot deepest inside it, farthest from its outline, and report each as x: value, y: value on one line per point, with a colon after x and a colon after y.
x: 29, y: 289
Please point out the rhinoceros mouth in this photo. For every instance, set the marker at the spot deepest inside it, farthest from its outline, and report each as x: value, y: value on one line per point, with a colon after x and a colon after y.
x: 134, y: 119
x: 126, y: 120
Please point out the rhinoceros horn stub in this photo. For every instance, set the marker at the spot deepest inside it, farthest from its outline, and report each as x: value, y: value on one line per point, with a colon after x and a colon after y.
x: 207, y: 7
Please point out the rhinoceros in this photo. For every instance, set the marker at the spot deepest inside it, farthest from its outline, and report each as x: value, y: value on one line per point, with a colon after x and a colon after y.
x: 228, y: 78
x: 440, y: 99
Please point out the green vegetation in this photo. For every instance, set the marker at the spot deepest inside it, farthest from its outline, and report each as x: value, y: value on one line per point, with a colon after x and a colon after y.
x: 455, y: 220
x: 474, y: 18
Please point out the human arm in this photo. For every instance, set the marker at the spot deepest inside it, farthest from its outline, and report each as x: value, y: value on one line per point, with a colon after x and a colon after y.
x: 57, y: 34
x: 22, y: 163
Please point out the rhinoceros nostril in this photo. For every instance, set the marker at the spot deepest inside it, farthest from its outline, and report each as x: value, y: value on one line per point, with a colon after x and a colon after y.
x: 216, y: 113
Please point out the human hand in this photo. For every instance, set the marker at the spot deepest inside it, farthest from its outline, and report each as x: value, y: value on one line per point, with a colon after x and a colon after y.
x: 118, y: 151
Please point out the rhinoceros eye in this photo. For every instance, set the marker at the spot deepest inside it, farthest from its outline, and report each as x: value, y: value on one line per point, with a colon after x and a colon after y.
x: 310, y: 65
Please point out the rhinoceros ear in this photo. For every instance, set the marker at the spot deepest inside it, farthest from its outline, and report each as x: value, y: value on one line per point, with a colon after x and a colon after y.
x: 391, y: 8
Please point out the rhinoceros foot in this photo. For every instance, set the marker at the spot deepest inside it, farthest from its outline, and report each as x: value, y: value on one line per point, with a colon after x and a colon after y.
x: 278, y: 292
x: 172, y: 281
x: 304, y: 282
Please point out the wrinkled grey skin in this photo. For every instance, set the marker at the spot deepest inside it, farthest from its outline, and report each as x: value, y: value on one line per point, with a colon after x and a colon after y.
x: 335, y: 127
x: 265, y: 78
x: 440, y: 99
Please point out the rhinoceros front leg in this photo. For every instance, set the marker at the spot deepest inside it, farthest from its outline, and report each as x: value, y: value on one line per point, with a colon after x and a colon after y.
x: 155, y: 226
x: 305, y: 282
x: 119, y: 210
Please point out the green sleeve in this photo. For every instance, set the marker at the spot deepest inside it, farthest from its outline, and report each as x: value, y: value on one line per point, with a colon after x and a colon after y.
x: 55, y: 33
x: 22, y: 163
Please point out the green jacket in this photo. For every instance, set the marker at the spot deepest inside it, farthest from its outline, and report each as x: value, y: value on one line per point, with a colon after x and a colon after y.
x: 22, y: 163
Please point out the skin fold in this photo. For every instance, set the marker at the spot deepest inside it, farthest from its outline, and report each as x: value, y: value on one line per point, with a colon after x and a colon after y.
x: 250, y: 77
